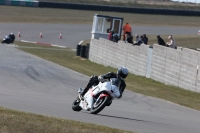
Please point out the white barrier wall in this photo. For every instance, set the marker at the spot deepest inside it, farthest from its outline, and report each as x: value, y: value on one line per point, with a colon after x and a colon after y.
x: 112, y: 54
x: 178, y: 68
x: 167, y: 65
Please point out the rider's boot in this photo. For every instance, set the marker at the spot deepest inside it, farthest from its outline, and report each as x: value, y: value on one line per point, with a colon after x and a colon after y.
x: 81, y: 95
x: 93, y: 80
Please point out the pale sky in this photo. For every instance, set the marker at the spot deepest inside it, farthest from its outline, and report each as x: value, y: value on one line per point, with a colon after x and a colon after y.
x: 192, y: 1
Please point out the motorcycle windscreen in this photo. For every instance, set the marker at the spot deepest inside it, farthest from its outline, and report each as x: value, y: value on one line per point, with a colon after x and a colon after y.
x: 115, y: 86
x: 115, y: 81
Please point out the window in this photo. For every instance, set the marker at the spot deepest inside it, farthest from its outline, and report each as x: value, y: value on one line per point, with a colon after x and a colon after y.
x: 107, y: 25
x: 100, y: 25
x: 116, y: 26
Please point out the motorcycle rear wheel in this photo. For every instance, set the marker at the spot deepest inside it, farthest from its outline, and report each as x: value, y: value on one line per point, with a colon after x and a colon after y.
x: 96, y: 108
x: 75, y: 105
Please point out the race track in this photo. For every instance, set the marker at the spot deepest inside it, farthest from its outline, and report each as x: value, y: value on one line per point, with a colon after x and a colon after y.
x: 73, y: 34
x: 31, y: 84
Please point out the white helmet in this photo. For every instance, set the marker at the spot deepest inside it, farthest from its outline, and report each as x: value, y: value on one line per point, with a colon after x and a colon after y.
x: 122, y: 72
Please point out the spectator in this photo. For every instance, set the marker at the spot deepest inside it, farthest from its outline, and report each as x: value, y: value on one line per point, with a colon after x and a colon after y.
x: 127, y: 30
x: 115, y: 37
x: 145, y: 39
x: 171, y: 42
x: 138, y: 40
x: 110, y: 35
x: 128, y: 38
x: 161, y: 41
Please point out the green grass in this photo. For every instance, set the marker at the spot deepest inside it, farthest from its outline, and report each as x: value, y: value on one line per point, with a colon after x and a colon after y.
x: 20, y: 122
x: 10, y: 14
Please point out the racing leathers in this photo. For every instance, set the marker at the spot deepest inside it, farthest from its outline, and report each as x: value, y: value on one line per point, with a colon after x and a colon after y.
x: 94, y: 80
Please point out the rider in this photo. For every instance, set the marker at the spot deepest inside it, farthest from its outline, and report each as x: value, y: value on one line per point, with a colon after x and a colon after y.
x: 12, y: 36
x: 122, y: 73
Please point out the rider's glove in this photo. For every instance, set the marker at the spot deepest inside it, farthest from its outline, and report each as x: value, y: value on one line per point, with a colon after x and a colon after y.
x: 101, y: 79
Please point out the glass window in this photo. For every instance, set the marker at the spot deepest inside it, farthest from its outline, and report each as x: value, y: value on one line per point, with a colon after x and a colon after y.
x: 99, y: 25
x: 116, y: 26
x: 107, y: 25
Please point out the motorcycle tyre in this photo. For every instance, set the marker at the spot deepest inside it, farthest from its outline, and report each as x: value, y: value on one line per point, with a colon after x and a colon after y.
x: 3, y: 41
x: 75, y: 106
x: 101, y: 106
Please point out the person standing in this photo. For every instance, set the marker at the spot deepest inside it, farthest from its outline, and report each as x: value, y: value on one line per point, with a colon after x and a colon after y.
x: 127, y: 30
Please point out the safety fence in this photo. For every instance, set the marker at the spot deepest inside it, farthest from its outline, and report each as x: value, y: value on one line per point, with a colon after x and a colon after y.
x: 28, y: 3
x: 119, y: 9
x: 170, y: 66
x: 95, y: 7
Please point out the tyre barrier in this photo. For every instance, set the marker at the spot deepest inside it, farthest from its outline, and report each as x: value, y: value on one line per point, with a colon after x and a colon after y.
x: 78, y: 50
x: 87, y: 50
x: 83, y: 51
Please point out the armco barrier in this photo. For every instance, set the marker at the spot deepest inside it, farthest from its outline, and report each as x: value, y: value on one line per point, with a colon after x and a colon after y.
x: 31, y: 3
x: 170, y: 66
x: 2, y: 2
x: 28, y: 3
x: 119, y: 9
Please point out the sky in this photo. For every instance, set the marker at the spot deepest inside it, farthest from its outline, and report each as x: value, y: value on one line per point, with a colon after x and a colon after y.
x: 192, y: 1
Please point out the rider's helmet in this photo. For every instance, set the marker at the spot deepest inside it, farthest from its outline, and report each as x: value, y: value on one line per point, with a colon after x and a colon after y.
x: 122, y: 72
x: 11, y: 33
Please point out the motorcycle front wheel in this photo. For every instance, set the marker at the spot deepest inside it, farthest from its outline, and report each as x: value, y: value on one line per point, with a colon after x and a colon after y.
x: 97, y: 107
x: 75, y: 105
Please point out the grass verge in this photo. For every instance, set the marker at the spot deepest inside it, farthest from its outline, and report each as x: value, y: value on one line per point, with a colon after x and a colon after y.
x: 12, y: 14
x: 20, y: 122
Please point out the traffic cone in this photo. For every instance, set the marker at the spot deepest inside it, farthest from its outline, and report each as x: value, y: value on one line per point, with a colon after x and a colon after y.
x: 19, y: 34
x: 40, y: 34
x: 60, y: 36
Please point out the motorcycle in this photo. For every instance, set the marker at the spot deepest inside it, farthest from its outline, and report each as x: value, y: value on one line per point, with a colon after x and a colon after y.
x: 98, y: 97
x: 7, y: 40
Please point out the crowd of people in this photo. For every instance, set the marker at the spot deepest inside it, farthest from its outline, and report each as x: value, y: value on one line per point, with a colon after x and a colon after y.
x: 139, y: 39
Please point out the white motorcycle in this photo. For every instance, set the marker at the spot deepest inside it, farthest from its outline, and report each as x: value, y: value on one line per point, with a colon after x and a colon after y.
x: 98, y: 96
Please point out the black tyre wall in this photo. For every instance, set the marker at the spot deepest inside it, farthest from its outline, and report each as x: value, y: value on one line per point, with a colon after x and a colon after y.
x: 78, y: 50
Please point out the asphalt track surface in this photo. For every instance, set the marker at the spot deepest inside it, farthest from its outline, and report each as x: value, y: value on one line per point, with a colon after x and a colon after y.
x: 72, y: 34
x: 31, y: 84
